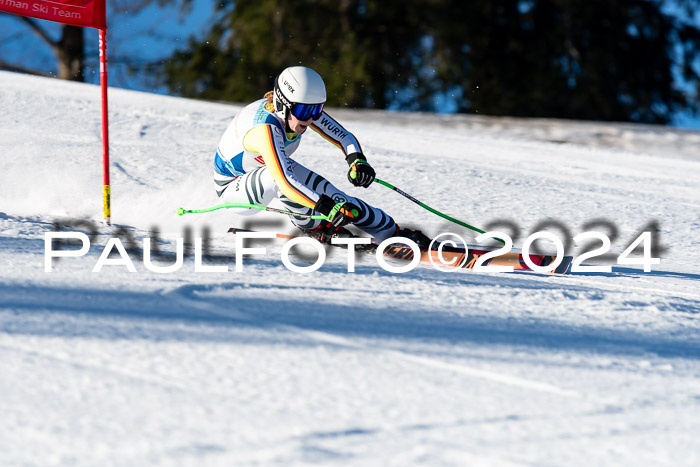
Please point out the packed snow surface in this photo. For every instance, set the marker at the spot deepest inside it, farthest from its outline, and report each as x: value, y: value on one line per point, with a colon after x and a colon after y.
x: 272, y: 367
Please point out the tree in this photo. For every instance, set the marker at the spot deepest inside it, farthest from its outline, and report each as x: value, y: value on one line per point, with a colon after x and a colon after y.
x: 69, y: 50
x: 609, y: 60
x: 253, y: 41
x: 614, y: 60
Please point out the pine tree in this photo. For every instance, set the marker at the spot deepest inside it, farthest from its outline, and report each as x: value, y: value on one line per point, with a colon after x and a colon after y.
x: 612, y: 60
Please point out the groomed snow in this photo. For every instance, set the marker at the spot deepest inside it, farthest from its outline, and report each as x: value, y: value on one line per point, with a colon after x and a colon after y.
x: 271, y: 367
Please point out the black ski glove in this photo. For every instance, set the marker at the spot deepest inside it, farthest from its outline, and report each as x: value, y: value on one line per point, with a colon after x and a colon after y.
x: 360, y: 172
x: 339, y: 214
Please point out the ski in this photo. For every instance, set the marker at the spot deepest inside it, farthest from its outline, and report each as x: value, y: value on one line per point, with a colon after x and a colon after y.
x: 457, y: 256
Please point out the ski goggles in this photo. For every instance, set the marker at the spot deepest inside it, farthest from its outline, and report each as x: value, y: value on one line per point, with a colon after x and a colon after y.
x: 306, y: 111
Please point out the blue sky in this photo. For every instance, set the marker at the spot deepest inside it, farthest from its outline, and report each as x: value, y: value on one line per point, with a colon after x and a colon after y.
x: 150, y: 34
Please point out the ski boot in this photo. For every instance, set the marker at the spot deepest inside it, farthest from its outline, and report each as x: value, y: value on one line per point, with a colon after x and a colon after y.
x: 325, y: 232
x: 422, y: 240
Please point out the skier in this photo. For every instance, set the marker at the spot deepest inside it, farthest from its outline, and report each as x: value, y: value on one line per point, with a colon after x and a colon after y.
x: 253, y: 162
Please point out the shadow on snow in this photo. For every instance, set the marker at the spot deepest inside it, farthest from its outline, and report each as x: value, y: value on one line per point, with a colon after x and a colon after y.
x: 191, y: 314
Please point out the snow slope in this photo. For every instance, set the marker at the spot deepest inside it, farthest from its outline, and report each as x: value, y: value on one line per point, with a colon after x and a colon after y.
x: 271, y: 367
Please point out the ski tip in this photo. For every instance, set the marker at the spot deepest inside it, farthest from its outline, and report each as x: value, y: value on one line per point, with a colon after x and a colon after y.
x: 180, y: 211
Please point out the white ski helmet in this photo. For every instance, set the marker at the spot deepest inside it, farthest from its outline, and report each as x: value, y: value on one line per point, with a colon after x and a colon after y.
x: 300, y: 91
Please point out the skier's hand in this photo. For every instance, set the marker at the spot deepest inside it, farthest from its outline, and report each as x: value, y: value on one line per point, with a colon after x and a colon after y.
x: 339, y: 214
x: 360, y: 172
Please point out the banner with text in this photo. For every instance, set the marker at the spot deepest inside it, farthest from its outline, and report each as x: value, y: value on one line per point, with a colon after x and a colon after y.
x: 89, y: 13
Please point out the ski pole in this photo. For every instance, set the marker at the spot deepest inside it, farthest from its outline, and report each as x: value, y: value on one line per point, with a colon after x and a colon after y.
x: 434, y: 211
x: 182, y: 211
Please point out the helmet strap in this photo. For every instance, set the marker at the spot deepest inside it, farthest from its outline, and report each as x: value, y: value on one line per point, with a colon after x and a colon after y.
x: 286, y: 120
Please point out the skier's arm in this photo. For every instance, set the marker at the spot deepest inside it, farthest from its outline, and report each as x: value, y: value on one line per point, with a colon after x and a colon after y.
x: 268, y: 141
x: 360, y: 172
x: 332, y: 131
